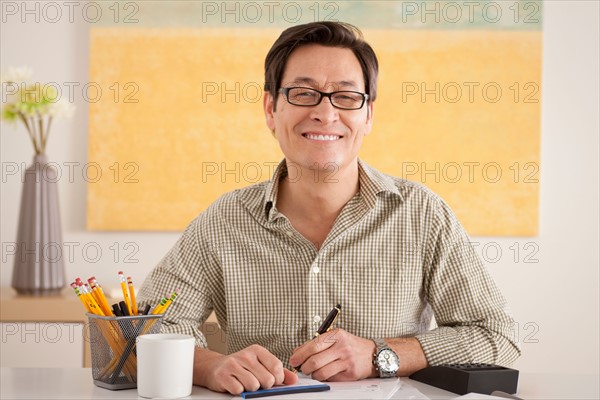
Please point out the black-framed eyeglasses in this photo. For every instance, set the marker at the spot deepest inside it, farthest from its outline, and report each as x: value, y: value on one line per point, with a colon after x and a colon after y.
x: 308, y: 97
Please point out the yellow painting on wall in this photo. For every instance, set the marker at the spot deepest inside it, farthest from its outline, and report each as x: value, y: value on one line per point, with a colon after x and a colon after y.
x: 182, y: 123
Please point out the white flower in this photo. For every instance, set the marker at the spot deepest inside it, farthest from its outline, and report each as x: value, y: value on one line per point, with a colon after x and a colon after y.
x: 35, y: 104
x: 18, y: 75
x: 61, y: 109
x: 10, y: 92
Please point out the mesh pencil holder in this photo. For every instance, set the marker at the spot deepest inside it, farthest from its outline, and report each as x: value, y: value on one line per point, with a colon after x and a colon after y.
x: 113, y: 348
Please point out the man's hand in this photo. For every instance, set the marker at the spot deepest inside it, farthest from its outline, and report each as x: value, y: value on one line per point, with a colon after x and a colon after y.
x: 336, y: 356
x: 247, y: 370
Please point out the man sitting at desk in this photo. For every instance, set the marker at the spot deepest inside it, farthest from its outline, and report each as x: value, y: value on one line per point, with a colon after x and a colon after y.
x: 272, y: 259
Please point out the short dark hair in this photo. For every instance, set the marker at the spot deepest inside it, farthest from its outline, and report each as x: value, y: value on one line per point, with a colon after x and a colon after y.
x: 325, y: 33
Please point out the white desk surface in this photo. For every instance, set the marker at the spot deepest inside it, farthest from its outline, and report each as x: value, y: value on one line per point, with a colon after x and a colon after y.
x: 76, y: 383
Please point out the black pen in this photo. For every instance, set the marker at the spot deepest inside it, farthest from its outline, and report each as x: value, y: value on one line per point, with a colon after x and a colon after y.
x: 325, y: 326
x: 117, y: 310
x: 330, y: 320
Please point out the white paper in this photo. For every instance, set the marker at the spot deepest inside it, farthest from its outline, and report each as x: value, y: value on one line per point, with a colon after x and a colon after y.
x: 366, y: 389
x: 474, y: 396
x: 376, y: 389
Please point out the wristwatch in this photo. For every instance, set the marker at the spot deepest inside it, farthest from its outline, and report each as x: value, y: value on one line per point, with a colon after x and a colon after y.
x: 386, y: 361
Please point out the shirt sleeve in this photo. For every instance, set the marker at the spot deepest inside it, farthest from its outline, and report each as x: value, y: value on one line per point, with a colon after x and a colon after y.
x: 474, y: 323
x: 182, y: 269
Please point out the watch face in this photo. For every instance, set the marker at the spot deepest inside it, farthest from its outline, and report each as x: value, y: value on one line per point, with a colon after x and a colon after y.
x: 387, y: 361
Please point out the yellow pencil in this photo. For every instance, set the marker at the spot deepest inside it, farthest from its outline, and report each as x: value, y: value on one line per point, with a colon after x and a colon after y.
x: 93, y: 303
x: 85, y: 295
x: 132, y: 294
x: 100, y: 297
x: 160, y: 305
x: 94, y: 294
x: 168, y: 303
x: 125, y: 294
x: 94, y: 308
x: 80, y: 297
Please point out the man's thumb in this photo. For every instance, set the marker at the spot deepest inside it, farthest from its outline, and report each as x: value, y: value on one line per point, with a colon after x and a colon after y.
x: 289, y: 377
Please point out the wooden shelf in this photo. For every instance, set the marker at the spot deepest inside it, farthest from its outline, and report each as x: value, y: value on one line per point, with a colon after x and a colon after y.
x: 65, y: 307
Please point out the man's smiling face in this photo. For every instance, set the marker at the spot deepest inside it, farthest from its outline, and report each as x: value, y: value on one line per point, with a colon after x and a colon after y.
x: 320, y: 136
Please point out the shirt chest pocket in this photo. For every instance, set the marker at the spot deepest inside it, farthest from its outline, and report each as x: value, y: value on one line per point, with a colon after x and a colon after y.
x: 382, y: 294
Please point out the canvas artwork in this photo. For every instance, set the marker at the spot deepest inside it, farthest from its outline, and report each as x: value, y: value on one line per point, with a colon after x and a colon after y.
x: 458, y: 106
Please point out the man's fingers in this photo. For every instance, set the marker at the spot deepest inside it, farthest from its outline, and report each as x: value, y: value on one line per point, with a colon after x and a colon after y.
x: 264, y: 377
x: 232, y: 385
x: 336, y: 356
x: 272, y: 367
x: 313, y: 346
x: 317, y: 361
x: 337, y: 371
x: 249, y: 370
x: 263, y: 365
x: 225, y: 380
x: 248, y: 380
x: 289, y: 378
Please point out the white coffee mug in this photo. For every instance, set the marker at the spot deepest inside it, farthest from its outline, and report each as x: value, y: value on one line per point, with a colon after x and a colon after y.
x: 165, y: 364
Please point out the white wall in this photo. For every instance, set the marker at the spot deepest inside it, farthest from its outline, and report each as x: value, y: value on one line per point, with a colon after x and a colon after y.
x: 555, y: 301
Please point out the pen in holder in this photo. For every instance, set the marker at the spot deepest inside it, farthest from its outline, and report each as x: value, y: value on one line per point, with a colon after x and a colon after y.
x: 112, y: 344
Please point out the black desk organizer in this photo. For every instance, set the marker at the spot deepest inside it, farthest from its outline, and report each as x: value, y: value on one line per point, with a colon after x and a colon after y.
x: 467, y: 378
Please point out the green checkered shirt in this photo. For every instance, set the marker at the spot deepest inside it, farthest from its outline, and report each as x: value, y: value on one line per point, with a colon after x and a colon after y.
x: 395, y: 257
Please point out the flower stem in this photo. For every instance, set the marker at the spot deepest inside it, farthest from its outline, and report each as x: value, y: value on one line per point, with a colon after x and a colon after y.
x: 30, y: 132
x: 40, y: 121
x: 36, y: 134
x: 45, y: 138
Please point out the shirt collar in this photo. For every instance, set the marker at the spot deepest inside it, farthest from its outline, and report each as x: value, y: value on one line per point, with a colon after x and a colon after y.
x: 272, y: 189
x: 372, y: 182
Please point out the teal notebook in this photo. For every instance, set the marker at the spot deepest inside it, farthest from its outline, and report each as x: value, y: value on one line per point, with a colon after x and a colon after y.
x: 304, y: 385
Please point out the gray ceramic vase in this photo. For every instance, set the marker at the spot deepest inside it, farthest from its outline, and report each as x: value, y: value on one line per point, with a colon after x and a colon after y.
x: 39, y: 269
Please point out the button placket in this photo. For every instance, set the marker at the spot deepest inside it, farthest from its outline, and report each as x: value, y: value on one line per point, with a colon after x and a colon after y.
x: 314, y: 278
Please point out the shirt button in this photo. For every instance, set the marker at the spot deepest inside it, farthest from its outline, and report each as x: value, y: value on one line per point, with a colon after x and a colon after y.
x: 317, y: 319
x: 290, y: 233
x: 316, y: 269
